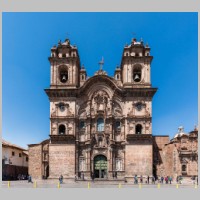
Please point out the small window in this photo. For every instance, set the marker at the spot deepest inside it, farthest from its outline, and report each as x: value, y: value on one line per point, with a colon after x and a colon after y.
x: 64, y: 55
x: 26, y: 159
x: 61, y: 129
x: 139, y: 106
x: 184, y: 168
x: 82, y: 124
x: 13, y: 153
x: 147, y: 54
x: 117, y: 76
x: 83, y: 77
x: 126, y: 54
x: 20, y: 155
x: 137, y: 55
x: 61, y: 107
x: 138, y: 129
x: 117, y: 124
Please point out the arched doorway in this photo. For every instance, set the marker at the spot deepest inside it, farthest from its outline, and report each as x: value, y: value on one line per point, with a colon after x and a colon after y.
x: 47, y: 171
x: 100, y: 166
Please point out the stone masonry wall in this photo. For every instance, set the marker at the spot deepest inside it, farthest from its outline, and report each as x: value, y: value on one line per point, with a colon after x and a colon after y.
x: 61, y: 160
x: 35, y: 161
x: 138, y: 160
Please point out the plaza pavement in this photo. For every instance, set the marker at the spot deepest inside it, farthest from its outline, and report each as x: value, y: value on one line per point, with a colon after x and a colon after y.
x: 95, y: 184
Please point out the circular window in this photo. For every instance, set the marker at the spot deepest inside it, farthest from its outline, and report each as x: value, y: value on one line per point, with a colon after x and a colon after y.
x: 61, y: 107
x: 138, y: 106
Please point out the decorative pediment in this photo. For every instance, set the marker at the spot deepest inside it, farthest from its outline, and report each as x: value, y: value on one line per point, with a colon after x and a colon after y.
x: 184, y: 161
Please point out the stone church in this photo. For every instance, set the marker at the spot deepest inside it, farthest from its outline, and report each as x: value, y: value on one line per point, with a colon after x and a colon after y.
x: 102, y: 125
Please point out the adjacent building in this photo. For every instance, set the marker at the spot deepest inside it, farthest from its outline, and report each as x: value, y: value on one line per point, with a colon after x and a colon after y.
x: 178, y: 156
x: 14, y: 161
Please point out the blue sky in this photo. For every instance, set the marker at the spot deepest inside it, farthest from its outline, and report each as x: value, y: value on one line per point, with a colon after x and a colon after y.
x: 28, y: 38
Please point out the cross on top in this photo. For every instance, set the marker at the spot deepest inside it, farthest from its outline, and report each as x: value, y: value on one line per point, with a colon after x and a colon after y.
x: 101, y: 63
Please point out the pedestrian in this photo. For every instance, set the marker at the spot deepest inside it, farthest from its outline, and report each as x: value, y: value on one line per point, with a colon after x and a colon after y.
x: 148, y: 179
x: 113, y: 174
x: 61, y: 179
x: 75, y: 178
x: 153, y: 180
x: 83, y: 176
x: 177, y: 179
x: 19, y: 177
x: 30, y: 179
x: 162, y: 178
x: 180, y: 179
x: 116, y: 174
x: 166, y: 179
x: 136, y: 179
x: 141, y: 179
x: 92, y: 177
x: 170, y: 179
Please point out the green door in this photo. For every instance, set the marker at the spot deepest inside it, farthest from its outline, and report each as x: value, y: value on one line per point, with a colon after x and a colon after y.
x: 100, y: 166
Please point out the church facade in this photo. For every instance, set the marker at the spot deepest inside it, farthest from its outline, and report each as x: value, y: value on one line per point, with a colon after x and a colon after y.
x: 102, y: 125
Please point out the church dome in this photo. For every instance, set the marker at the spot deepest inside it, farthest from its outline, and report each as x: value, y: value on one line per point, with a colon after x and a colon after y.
x: 180, y: 132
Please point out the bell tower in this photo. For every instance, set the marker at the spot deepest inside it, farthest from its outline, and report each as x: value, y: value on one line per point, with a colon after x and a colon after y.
x: 65, y: 65
x: 136, y: 65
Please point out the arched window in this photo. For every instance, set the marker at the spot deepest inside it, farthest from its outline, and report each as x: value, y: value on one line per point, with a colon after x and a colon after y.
x: 63, y: 76
x: 138, y: 129
x: 137, y: 74
x: 83, y: 77
x: 62, y: 129
x: 184, y: 168
x: 82, y: 124
x: 100, y: 124
x: 117, y: 124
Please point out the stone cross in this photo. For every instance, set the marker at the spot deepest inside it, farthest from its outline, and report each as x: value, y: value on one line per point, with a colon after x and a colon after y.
x: 101, y: 63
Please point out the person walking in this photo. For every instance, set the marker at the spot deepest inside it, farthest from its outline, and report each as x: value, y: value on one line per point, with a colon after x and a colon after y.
x: 166, y: 179
x: 141, y: 179
x: 75, y: 178
x: 83, y: 176
x: 177, y: 179
x: 61, y: 179
x: 180, y: 179
x: 113, y: 174
x: 153, y: 180
x: 135, y: 179
x: 170, y: 179
x: 148, y: 179
x: 30, y: 179
x: 162, y: 179
x: 92, y: 177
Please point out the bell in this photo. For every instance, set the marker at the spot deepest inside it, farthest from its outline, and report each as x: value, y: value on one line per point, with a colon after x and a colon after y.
x: 137, y: 78
x: 64, y: 78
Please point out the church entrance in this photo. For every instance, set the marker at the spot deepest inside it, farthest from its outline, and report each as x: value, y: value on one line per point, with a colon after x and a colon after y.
x: 100, y: 167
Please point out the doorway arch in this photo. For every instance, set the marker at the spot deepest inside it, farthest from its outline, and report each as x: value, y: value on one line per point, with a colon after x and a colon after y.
x: 100, y: 166
x: 47, y: 171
